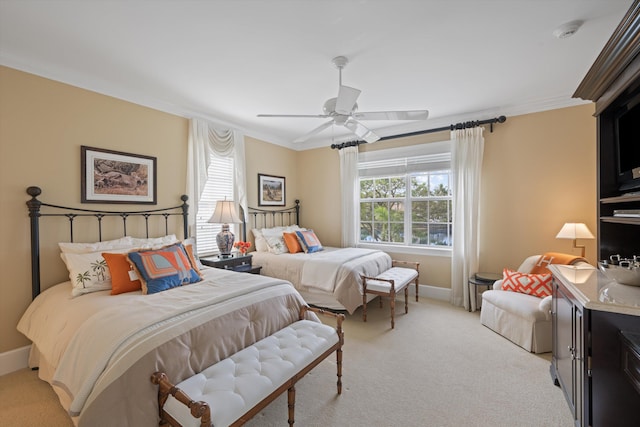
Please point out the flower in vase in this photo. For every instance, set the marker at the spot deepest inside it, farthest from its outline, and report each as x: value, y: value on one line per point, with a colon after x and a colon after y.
x: 242, y: 246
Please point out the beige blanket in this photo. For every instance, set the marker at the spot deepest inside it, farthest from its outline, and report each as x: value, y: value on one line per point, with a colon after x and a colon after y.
x: 100, y: 370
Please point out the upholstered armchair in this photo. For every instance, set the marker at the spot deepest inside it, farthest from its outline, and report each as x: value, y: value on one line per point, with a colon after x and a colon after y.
x: 524, y: 315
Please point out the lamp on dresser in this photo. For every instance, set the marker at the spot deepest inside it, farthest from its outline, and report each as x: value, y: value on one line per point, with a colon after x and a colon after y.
x: 574, y: 231
x: 224, y: 213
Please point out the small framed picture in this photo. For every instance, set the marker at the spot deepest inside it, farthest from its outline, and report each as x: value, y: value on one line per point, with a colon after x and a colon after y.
x: 271, y: 191
x: 115, y: 177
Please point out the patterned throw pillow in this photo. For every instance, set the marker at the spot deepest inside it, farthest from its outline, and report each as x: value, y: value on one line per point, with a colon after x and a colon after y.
x: 88, y: 272
x: 163, y: 269
x: 309, y: 241
x: 538, y: 285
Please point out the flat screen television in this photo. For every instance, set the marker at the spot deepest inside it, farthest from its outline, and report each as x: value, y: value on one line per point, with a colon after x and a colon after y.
x: 627, y: 143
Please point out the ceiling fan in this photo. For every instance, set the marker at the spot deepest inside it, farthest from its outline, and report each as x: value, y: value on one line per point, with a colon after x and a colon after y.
x: 342, y: 111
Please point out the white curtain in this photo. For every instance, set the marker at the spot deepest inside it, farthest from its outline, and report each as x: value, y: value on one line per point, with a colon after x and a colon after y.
x: 349, y: 185
x: 466, y: 163
x: 204, y: 139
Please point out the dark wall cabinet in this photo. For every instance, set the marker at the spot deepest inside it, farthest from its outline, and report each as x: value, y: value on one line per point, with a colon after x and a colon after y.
x: 595, y: 358
x: 611, y: 82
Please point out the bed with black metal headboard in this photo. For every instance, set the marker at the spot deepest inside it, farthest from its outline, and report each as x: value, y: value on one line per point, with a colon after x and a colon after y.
x: 35, y: 213
x: 98, y: 349
x: 268, y: 218
x: 325, y: 276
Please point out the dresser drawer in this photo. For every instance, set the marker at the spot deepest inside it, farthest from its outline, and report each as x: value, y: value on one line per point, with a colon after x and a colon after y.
x: 631, y: 357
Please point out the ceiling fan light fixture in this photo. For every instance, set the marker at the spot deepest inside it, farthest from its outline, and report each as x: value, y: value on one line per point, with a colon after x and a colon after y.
x: 343, y: 111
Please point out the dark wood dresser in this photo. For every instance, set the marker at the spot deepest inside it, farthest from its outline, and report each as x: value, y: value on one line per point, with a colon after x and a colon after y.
x: 596, y: 356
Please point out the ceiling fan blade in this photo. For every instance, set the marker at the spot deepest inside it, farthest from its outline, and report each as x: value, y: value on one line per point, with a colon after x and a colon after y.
x: 361, y: 131
x: 347, y: 97
x: 313, y: 132
x: 392, y: 115
x: 315, y: 116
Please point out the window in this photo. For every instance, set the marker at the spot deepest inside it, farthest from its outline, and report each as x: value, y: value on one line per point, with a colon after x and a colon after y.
x: 218, y: 187
x: 405, y: 197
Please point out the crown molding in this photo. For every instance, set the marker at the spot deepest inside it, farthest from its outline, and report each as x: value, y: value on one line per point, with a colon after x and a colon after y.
x: 615, y: 57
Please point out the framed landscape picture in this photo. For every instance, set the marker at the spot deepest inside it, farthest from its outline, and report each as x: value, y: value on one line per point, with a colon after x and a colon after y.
x: 114, y: 177
x: 271, y: 190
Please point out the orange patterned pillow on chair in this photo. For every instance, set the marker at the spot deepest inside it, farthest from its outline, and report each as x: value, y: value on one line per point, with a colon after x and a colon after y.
x: 538, y: 285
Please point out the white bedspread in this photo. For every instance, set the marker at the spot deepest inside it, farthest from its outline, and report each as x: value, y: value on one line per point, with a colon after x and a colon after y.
x: 320, y: 271
x: 332, y: 273
x: 95, y: 346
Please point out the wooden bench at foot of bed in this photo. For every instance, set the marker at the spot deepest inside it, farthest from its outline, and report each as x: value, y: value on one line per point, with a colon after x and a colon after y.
x: 235, y: 389
x: 389, y: 283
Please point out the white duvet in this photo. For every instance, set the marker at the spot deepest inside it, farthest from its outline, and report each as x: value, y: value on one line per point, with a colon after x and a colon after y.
x: 99, y: 336
x: 332, y: 271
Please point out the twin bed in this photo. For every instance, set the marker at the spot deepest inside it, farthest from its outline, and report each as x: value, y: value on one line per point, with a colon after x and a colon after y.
x: 98, y: 350
x: 329, y: 278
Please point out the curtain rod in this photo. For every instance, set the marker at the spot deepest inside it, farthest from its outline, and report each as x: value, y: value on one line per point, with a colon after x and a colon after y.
x: 461, y: 125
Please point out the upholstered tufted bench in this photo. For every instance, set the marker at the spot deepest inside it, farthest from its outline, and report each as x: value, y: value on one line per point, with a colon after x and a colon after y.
x: 389, y: 283
x: 233, y: 390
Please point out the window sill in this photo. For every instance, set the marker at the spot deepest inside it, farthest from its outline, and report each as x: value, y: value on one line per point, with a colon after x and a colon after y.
x: 414, y: 250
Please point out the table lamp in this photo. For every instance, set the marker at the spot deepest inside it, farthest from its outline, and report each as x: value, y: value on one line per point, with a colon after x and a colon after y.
x: 575, y: 230
x: 224, y: 213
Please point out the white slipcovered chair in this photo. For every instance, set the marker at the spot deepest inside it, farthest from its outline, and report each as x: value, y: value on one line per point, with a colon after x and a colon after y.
x: 521, y: 318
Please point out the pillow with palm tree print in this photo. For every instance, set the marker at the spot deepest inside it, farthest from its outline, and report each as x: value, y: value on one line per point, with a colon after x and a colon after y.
x: 89, y: 272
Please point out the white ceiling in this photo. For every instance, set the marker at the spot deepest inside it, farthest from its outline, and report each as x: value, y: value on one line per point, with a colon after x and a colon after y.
x: 227, y: 61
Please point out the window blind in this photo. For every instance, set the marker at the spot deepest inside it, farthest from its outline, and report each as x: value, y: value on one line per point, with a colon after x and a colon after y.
x: 218, y: 187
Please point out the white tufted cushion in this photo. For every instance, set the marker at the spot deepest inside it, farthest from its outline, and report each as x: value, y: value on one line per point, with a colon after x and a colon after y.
x: 400, y: 275
x: 234, y: 385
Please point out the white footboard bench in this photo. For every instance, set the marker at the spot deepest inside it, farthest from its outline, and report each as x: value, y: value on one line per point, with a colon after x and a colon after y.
x: 232, y: 391
x: 389, y: 283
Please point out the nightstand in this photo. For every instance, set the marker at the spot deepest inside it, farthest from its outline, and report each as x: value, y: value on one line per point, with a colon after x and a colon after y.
x: 235, y: 262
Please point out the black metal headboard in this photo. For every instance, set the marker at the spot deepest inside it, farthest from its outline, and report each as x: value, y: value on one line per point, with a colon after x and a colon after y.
x: 266, y: 218
x: 70, y: 213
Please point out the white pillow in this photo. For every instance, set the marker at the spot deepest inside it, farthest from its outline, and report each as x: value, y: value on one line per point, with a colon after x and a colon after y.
x: 275, y: 240
x: 276, y: 244
x: 88, y: 272
x: 107, y: 245
x: 154, y: 242
x: 259, y: 241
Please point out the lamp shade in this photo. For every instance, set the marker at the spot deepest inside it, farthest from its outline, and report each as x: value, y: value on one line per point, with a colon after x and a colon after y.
x: 574, y: 230
x: 225, y: 213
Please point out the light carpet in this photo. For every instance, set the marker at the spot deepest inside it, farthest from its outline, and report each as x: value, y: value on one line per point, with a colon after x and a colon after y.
x: 438, y: 367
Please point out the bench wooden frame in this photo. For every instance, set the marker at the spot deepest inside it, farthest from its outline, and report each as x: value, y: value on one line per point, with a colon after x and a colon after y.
x: 203, y: 411
x: 391, y: 293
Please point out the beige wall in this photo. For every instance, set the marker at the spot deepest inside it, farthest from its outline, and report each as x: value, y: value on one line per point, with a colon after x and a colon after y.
x: 539, y: 172
x: 42, y: 126
x: 269, y: 159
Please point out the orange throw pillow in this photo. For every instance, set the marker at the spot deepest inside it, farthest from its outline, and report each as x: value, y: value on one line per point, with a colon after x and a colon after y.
x: 291, y: 240
x: 119, y: 267
x: 192, y: 259
x: 553, y: 258
x: 538, y: 285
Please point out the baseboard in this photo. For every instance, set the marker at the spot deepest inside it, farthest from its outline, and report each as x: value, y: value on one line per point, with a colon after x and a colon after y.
x: 14, y: 360
x: 435, y: 292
